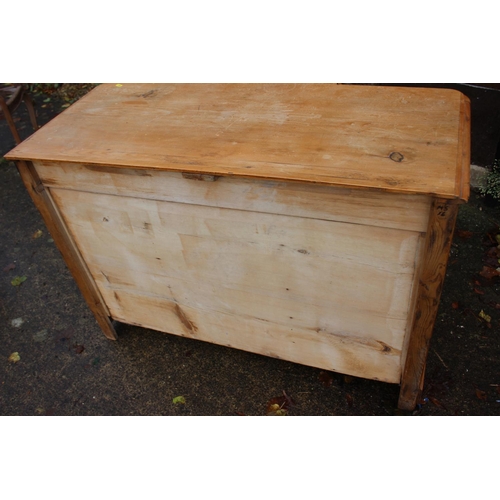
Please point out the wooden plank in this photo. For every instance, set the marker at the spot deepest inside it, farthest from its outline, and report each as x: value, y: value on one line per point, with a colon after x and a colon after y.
x: 55, y: 224
x: 464, y: 150
x: 401, y: 140
x: 437, y: 247
x: 398, y: 211
x: 288, y: 273
x: 329, y: 350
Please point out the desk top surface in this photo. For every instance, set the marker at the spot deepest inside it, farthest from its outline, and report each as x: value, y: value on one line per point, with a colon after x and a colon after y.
x: 404, y: 140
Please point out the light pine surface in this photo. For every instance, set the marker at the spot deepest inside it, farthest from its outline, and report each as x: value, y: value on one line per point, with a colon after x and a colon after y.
x: 400, y: 140
x: 318, y: 292
x: 397, y: 211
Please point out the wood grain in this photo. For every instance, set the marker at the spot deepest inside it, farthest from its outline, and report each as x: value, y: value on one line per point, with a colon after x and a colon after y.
x: 437, y: 246
x: 396, y: 211
x: 52, y: 217
x: 401, y: 140
x: 347, y: 281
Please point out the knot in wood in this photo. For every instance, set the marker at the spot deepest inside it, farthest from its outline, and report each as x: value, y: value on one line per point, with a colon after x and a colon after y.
x: 397, y: 157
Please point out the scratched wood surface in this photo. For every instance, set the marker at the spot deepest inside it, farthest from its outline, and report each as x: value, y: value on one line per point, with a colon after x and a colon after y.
x: 317, y: 292
x: 401, y: 140
x: 397, y: 211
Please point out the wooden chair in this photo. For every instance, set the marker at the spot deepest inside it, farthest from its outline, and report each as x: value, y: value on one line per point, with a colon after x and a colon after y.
x: 10, y: 98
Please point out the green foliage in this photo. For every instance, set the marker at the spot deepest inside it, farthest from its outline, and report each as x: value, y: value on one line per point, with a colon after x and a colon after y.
x: 493, y: 181
x: 18, y: 280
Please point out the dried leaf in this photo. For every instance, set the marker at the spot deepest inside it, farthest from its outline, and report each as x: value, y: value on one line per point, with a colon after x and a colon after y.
x: 17, y: 322
x: 465, y: 235
x: 348, y: 379
x: 489, y: 272
x: 179, y: 400
x: 455, y: 305
x: 14, y: 357
x: 78, y: 348
x: 349, y: 400
x: 479, y: 292
x: 37, y: 234
x: 18, y: 280
x: 485, y: 316
x: 325, y: 378
x: 8, y: 268
x: 481, y: 395
x: 437, y: 403
x: 280, y: 405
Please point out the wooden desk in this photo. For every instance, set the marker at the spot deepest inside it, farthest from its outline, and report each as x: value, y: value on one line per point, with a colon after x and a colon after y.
x: 310, y: 223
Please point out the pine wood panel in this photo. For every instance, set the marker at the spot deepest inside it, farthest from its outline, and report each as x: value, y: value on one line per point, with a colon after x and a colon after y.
x: 290, y: 198
x: 280, y: 276
x: 336, y: 351
x: 402, y: 140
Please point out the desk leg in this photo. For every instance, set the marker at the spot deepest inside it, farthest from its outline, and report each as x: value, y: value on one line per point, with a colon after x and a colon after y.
x: 64, y: 241
x: 437, y: 246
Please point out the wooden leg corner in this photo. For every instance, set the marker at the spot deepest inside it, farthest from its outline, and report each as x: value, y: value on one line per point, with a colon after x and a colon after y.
x: 66, y: 245
x: 437, y: 246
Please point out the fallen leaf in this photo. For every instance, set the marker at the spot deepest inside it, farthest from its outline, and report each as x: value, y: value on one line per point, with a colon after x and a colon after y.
x: 280, y: 405
x: 78, y: 348
x: 47, y: 100
x: 485, y: 316
x: 465, y: 235
x: 16, y: 323
x: 349, y: 400
x: 489, y: 272
x: 348, y: 379
x: 37, y: 234
x: 8, y: 268
x: 18, y: 280
x: 14, y: 357
x: 65, y: 105
x: 479, y: 292
x: 437, y: 403
x: 481, y: 395
x: 179, y: 400
x: 325, y: 378
x: 455, y: 305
